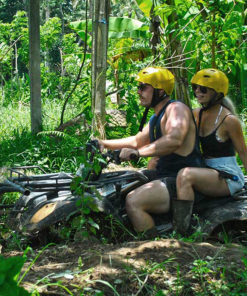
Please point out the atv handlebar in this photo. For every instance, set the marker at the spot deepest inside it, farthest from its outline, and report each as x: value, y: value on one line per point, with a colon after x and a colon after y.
x: 134, y: 156
x: 9, y: 186
x: 93, y: 146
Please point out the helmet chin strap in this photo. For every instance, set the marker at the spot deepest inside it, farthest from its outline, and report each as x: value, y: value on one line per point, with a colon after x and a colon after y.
x: 144, y: 118
x: 156, y: 98
x: 214, y: 101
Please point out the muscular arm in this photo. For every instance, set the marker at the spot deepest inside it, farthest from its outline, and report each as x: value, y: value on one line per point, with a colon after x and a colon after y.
x: 174, y: 128
x: 235, y: 133
x: 133, y: 142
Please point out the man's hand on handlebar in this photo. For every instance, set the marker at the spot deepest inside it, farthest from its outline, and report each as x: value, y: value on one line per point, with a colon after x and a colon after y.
x: 101, y: 145
x: 129, y: 154
x: 126, y: 154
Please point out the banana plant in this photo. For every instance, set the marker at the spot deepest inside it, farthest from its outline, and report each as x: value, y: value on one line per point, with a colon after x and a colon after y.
x: 123, y: 30
x: 145, y: 6
x: 119, y: 27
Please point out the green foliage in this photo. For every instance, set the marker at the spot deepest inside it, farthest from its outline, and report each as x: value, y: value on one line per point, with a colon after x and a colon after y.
x: 119, y: 27
x: 5, y: 55
x: 84, y: 224
x: 58, y: 8
x: 16, y: 91
x: 205, y: 270
x: 243, y: 72
x: 60, y: 56
x: 9, y: 9
x: 52, y: 153
x: 19, y: 31
x: 50, y: 33
x: 210, y: 34
x: 9, y: 272
x: 124, y: 8
x: 145, y: 6
x: 11, y: 36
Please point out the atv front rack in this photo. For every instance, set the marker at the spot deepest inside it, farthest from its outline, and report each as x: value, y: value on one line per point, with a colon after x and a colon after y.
x: 19, y: 181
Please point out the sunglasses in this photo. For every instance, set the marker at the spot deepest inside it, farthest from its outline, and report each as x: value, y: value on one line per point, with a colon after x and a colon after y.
x: 142, y: 86
x: 203, y: 89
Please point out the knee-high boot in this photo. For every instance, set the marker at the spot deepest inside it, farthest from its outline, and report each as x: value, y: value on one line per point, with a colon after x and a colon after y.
x: 181, y: 215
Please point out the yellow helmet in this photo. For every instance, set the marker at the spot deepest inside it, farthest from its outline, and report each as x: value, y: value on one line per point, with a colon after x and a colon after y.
x: 212, y: 78
x: 158, y: 77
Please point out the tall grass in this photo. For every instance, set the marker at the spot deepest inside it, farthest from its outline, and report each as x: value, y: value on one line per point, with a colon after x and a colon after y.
x: 18, y: 146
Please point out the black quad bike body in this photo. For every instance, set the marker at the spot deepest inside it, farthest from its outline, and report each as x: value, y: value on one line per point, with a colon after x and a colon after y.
x: 47, y: 199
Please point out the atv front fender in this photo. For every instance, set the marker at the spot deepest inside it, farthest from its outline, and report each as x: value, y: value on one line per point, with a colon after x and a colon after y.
x: 48, y: 214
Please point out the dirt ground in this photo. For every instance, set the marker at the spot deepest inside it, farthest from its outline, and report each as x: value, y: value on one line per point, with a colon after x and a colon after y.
x: 160, y: 267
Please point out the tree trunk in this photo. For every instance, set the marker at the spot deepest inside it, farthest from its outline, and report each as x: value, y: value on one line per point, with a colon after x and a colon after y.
x: 34, y: 65
x: 99, y: 62
x: 46, y: 53
x: 154, y: 30
x: 16, y: 60
x: 243, y: 71
x: 213, y: 41
x: 181, y: 82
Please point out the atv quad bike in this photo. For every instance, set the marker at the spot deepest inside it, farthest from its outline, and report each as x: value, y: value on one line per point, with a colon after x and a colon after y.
x: 47, y: 199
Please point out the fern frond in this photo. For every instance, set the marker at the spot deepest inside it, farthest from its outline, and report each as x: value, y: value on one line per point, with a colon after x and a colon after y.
x: 58, y: 134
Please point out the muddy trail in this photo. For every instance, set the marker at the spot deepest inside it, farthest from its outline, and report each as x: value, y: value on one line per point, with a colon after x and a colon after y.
x: 159, y: 267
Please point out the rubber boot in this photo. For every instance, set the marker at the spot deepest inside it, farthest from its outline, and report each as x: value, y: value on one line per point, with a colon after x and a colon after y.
x: 181, y: 215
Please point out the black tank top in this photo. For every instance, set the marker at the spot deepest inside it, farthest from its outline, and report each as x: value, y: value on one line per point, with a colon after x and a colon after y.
x: 211, y: 147
x: 169, y: 165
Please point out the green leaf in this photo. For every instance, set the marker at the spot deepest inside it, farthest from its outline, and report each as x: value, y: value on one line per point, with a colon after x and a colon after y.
x: 2, y: 278
x: 23, y: 292
x: 9, y: 288
x: 92, y: 229
x: 11, y: 266
x: 81, y: 25
x: 132, y: 34
x: 145, y: 6
x: 86, y: 211
x: 94, y: 224
x: 84, y: 233
x: 117, y: 25
x: 191, y: 12
x: 81, y: 33
x: 125, y: 24
x: 244, y: 261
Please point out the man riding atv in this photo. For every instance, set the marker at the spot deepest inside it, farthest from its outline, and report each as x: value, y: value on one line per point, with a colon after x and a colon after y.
x: 171, y: 136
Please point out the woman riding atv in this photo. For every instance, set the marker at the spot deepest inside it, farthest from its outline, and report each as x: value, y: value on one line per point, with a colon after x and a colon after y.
x: 220, y: 134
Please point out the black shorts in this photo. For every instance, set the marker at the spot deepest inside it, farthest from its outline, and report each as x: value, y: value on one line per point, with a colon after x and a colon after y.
x: 170, y: 185
x: 172, y: 189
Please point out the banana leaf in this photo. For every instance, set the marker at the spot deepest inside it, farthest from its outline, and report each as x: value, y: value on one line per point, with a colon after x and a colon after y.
x: 145, y: 6
x: 119, y: 27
